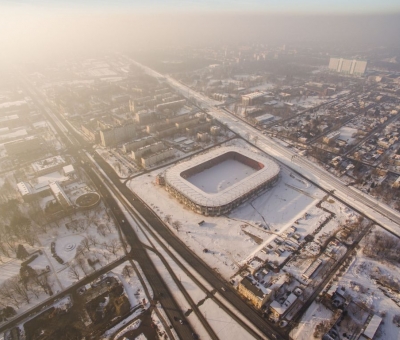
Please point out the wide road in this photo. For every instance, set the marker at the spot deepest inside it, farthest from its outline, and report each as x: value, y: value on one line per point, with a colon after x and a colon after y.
x: 212, y: 277
x: 378, y: 212
x: 74, y: 142
x: 138, y: 252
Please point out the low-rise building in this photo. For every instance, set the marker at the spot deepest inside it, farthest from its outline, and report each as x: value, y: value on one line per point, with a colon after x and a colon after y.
x: 203, y: 136
x: 257, y: 294
x: 331, y: 137
x: 372, y: 327
x: 279, y: 309
x: 45, y: 166
x: 137, y: 143
x: 152, y: 159
x: 147, y: 149
x: 311, y: 269
x: 60, y: 196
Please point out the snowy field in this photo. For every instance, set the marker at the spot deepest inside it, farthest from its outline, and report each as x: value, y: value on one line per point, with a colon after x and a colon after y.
x: 76, y: 239
x: 121, y: 166
x: 308, y: 102
x: 314, y: 314
x: 346, y: 134
x: 221, y: 176
x: 230, y: 245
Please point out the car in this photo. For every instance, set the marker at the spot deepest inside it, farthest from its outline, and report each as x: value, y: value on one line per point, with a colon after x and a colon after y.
x: 195, y: 336
x: 181, y: 321
x: 223, y: 289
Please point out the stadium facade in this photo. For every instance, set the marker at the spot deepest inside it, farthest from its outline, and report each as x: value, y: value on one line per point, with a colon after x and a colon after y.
x: 265, y: 175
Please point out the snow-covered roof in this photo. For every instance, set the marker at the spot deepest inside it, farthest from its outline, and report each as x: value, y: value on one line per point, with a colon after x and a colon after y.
x: 24, y: 188
x: 58, y: 192
x: 254, y: 95
x: 312, y: 268
x: 47, y: 163
x: 226, y: 196
x: 68, y: 169
x: 11, y: 104
x: 372, y: 326
x: 282, y: 308
x: 265, y: 117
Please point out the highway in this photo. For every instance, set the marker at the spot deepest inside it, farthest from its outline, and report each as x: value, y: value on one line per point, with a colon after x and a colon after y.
x: 378, y: 212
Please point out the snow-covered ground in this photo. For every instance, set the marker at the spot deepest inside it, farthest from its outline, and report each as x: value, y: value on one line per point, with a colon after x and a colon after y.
x: 346, y: 133
x: 228, y: 245
x: 94, y: 227
x: 120, y: 165
x: 221, y: 176
x: 307, y: 102
x: 314, y: 314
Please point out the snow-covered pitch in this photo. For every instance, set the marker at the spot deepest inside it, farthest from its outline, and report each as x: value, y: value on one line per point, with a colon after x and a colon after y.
x: 227, y: 175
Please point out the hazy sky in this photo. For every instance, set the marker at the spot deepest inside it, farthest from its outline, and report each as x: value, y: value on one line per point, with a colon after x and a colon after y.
x: 294, y: 6
x: 48, y: 29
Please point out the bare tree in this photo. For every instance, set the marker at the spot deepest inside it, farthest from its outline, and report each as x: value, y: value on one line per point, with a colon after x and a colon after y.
x: 168, y: 218
x: 10, y: 242
x: 4, y: 250
x: 108, y: 226
x: 177, y: 225
x: 7, y: 293
x: 113, y: 246
x: 93, y: 240
x: 21, y: 289
x: 42, y: 281
x: 80, y: 251
x: 33, y: 288
x: 85, y: 244
x: 73, y: 272
x: 101, y: 229
x: 81, y: 263
x: 127, y: 271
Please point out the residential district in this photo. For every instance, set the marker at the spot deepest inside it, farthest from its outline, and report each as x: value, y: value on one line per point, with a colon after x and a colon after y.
x: 238, y: 192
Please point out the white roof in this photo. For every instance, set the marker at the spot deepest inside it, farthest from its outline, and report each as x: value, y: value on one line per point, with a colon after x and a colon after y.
x: 68, y: 169
x: 24, y: 188
x: 267, y: 116
x: 48, y: 163
x: 198, y: 196
x: 254, y: 95
x: 10, y: 104
x: 312, y: 268
x: 372, y: 326
x: 180, y: 139
x: 57, y: 190
x: 282, y: 308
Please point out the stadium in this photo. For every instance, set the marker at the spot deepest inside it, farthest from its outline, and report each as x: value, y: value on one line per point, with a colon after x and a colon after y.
x: 218, y: 181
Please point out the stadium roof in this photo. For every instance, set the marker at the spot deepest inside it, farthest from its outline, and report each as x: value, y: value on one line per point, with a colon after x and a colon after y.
x: 173, y: 177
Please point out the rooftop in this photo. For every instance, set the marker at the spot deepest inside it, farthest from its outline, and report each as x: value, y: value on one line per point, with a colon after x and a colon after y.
x: 229, y: 194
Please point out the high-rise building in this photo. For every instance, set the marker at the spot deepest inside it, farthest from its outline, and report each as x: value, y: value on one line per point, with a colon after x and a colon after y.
x: 348, y: 66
